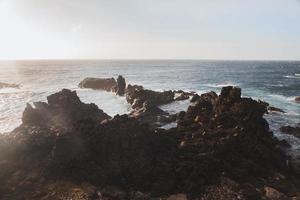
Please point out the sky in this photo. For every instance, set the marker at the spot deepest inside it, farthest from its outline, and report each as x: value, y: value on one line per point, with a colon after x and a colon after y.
x: 150, y: 29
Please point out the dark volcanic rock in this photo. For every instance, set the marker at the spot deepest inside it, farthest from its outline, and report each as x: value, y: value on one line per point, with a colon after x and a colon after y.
x: 121, y: 85
x: 153, y: 97
x: 7, y: 85
x: 107, y: 84
x: 218, y: 136
x: 295, y: 131
x: 64, y: 109
x: 182, y: 97
x: 151, y: 114
x: 297, y: 99
x: 234, y: 129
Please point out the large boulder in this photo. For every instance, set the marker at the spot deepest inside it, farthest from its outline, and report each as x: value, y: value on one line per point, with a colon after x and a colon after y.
x: 107, y: 84
x: 297, y: 99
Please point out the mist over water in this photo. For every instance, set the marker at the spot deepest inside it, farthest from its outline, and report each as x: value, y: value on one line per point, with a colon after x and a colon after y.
x: 275, y: 82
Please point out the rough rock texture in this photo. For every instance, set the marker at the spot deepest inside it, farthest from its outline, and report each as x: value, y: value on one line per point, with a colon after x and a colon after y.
x: 7, y: 85
x: 222, y: 149
x: 121, y: 85
x: 153, y: 97
x: 107, y: 84
x: 63, y: 110
x: 182, y: 97
x: 230, y: 133
x: 295, y: 131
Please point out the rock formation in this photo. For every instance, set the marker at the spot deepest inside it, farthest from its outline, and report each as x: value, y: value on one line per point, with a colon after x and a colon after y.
x: 121, y: 86
x: 107, y: 84
x: 297, y: 99
x: 221, y: 149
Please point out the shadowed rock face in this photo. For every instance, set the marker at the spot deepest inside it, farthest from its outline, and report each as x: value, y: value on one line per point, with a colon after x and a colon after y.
x: 218, y: 136
x: 297, y: 99
x: 121, y: 85
x: 63, y: 110
x: 107, y: 84
x: 153, y: 97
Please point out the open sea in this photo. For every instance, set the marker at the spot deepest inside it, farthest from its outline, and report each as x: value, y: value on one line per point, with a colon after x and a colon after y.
x: 277, y: 82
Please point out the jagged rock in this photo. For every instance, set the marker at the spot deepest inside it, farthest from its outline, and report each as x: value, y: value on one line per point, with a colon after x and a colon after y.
x: 153, y: 97
x: 295, y: 131
x: 182, y: 97
x: 7, y: 85
x: 195, y: 98
x: 64, y: 109
x: 107, y: 84
x: 121, y: 85
x: 233, y: 128
x: 219, y: 135
x: 151, y: 114
x: 297, y: 99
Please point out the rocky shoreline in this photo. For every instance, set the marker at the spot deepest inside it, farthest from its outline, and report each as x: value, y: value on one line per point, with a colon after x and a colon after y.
x: 221, y: 148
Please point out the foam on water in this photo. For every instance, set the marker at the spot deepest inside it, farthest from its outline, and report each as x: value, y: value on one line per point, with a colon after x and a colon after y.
x: 259, y: 80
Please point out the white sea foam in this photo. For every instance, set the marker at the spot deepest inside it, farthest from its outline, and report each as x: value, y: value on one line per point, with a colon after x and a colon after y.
x: 292, y: 77
x: 220, y: 85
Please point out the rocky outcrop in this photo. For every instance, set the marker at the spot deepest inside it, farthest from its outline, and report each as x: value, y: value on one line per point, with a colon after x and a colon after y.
x: 152, y: 97
x: 107, y: 84
x: 297, y: 99
x: 222, y: 148
x: 295, y: 131
x: 121, y: 85
x: 63, y: 110
x: 7, y: 85
x: 234, y: 129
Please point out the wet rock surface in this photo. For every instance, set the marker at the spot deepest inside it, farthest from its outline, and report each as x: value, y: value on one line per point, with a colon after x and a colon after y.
x: 222, y: 148
x: 297, y: 99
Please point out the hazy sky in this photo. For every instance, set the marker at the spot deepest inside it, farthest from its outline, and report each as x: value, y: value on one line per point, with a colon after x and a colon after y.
x: 191, y: 29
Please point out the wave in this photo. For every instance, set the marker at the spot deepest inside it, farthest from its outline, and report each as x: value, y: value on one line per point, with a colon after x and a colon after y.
x: 283, y: 98
x: 220, y: 85
x: 295, y: 76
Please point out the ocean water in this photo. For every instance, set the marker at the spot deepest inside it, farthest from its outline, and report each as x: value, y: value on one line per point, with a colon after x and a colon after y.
x: 275, y: 82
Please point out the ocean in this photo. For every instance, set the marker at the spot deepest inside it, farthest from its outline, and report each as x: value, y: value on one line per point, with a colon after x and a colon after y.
x: 277, y: 82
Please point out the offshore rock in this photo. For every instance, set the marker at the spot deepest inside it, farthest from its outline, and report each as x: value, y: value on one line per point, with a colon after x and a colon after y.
x: 297, y: 99
x: 107, y: 84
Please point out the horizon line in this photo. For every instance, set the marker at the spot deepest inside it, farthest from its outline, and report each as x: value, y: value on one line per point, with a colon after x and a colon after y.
x: 143, y: 59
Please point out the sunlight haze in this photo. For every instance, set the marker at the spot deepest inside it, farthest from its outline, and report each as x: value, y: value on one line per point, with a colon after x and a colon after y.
x: 150, y: 29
